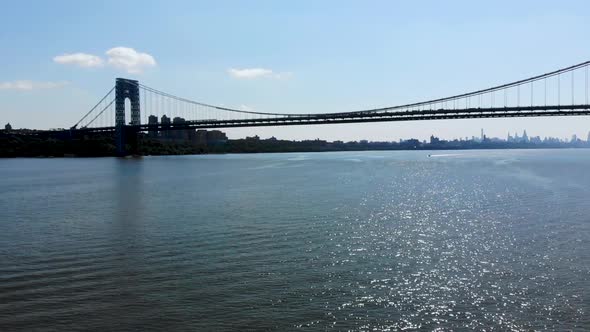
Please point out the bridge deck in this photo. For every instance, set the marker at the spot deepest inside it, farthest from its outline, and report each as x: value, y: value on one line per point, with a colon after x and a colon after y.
x: 360, y: 117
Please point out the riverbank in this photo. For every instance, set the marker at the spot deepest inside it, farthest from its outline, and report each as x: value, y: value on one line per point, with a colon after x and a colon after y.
x: 15, y: 145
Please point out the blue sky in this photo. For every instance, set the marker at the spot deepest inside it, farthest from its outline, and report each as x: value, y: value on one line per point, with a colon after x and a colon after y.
x: 319, y: 56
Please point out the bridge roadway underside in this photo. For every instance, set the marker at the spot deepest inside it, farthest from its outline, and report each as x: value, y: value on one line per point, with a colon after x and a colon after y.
x: 360, y: 117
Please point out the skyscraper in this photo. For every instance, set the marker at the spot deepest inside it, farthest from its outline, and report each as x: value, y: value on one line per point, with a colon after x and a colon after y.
x: 153, y: 120
x: 574, y: 138
x: 165, y: 124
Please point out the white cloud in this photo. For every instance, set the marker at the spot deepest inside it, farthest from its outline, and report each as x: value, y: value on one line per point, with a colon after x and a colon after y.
x: 252, y: 73
x: 79, y: 59
x: 124, y: 58
x: 130, y: 60
x: 26, y: 85
x: 249, y: 73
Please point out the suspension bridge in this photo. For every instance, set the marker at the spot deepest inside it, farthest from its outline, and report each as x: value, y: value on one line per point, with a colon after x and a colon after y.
x: 562, y: 92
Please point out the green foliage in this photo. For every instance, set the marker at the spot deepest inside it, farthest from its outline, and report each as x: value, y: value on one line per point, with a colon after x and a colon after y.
x: 15, y: 145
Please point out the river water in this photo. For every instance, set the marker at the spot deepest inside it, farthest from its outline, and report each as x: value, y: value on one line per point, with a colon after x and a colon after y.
x: 304, y: 241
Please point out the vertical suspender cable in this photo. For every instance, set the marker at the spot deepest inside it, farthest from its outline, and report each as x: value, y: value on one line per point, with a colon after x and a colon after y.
x: 111, y: 117
x: 586, y: 84
x: 144, y: 106
x: 532, y: 93
x: 573, y: 87
x: 559, y: 89
x: 545, y: 83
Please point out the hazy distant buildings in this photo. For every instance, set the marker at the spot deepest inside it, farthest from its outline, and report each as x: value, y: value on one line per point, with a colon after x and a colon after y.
x: 518, y: 139
x: 535, y: 140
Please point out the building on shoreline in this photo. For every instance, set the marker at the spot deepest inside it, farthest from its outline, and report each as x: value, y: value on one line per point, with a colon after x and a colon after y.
x: 199, y: 137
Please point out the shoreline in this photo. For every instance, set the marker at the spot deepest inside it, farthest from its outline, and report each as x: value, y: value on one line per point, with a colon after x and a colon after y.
x: 69, y: 156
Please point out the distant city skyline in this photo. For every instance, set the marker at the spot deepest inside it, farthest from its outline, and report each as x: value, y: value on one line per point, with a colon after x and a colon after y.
x: 307, y: 56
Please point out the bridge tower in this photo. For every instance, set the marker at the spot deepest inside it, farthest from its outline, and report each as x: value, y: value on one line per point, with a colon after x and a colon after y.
x: 126, y: 88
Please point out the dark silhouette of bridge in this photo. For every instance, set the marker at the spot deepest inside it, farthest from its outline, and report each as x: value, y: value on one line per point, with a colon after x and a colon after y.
x: 563, y: 92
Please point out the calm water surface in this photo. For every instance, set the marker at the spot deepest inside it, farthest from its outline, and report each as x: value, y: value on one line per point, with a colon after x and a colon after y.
x: 332, y: 241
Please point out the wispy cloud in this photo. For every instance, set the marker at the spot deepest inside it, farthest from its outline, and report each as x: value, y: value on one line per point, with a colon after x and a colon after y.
x: 79, y: 59
x: 253, y: 73
x: 123, y: 58
x: 26, y: 85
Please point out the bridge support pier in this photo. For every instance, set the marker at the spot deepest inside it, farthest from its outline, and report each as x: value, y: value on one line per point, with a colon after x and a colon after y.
x: 126, y: 135
x: 126, y: 141
x: 120, y: 141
